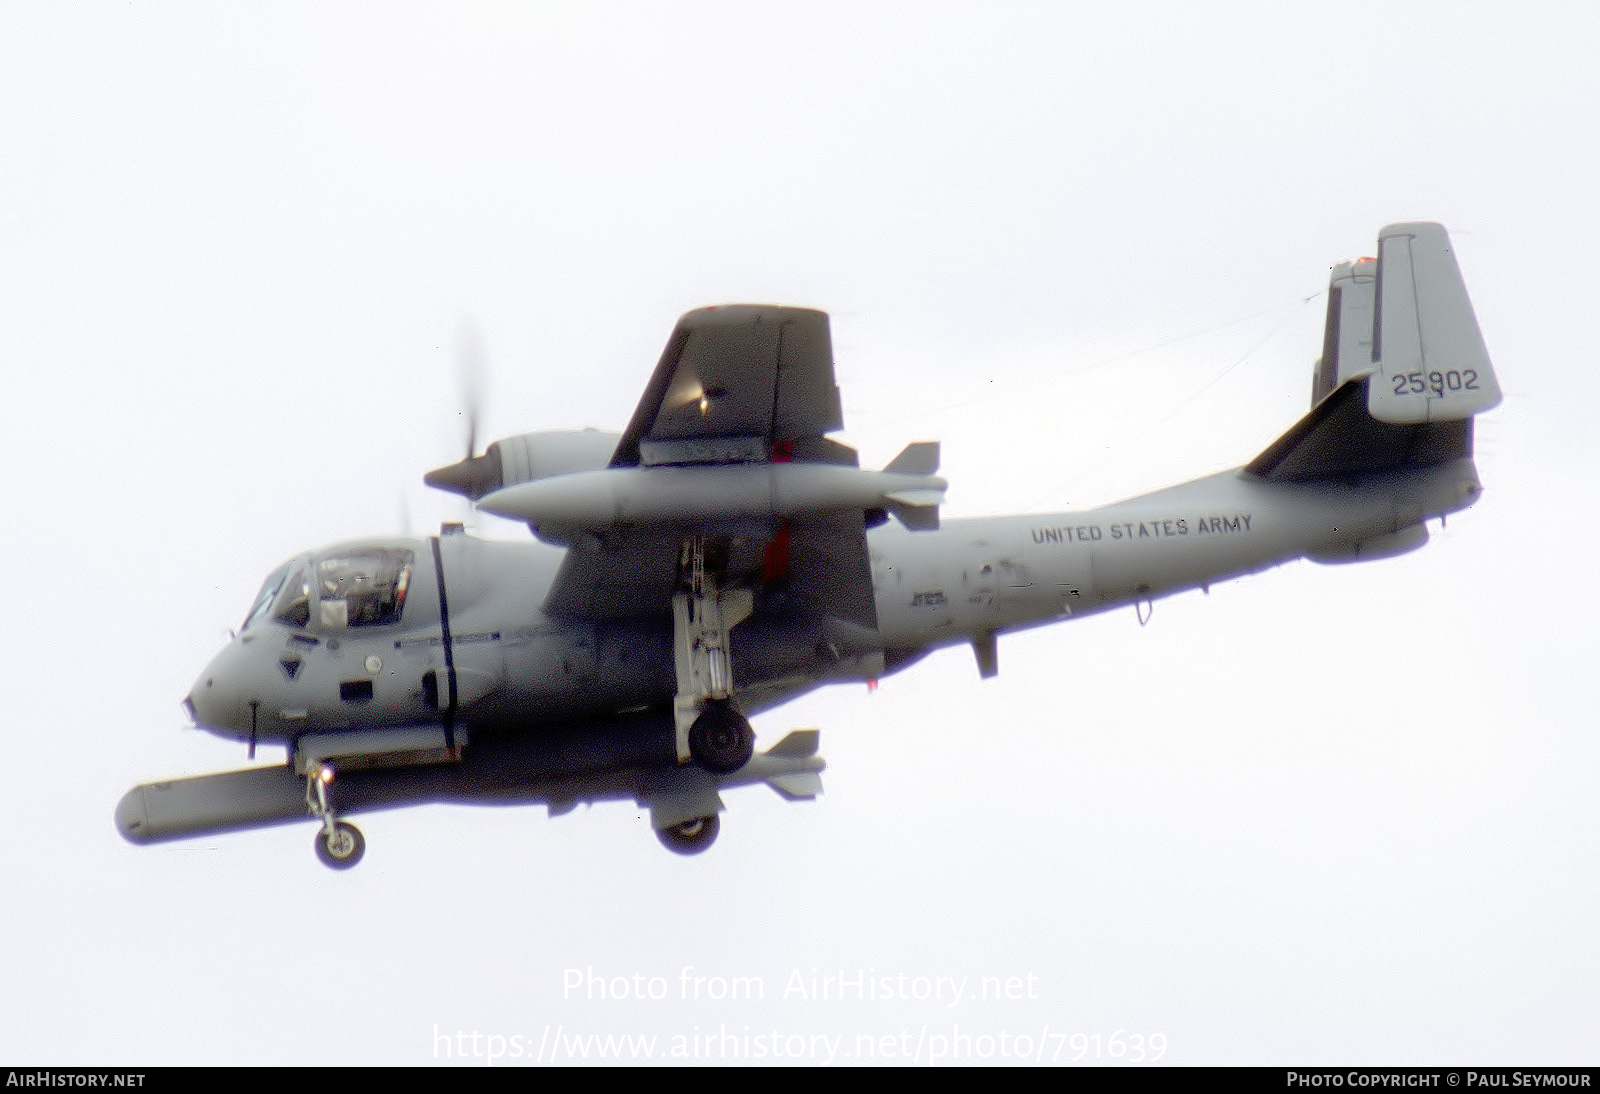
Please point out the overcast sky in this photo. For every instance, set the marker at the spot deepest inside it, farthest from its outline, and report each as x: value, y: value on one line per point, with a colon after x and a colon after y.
x: 1323, y: 815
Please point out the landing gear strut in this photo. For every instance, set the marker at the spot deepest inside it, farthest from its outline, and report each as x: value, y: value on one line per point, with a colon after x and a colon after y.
x: 339, y: 844
x: 710, y: 729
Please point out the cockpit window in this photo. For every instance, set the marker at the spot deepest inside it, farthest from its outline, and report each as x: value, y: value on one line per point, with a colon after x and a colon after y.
x: 294, y: 603
x: 364, y: 588
x: 268, y: 593
x: 285, y: 597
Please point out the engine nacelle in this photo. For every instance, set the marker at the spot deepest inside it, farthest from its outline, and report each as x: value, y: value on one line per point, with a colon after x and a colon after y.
x: 526, y: 458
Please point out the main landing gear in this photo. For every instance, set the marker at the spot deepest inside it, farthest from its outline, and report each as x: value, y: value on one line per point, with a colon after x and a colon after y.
x: 720, y: 739
x: 339, y: 844
x: 691, y: 836
x: 711, y: 730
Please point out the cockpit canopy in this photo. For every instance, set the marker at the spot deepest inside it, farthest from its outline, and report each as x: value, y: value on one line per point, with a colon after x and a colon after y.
x: 355, y: 587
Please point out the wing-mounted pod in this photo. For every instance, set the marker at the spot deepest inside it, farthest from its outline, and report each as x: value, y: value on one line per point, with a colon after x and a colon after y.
x: 751, y: 386
x: 711, y: 497
x: 729, y: 436
x: 526, y: 458
x: 732, y: 427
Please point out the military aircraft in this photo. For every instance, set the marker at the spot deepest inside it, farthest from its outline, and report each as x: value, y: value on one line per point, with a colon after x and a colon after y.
x: 722, y: 555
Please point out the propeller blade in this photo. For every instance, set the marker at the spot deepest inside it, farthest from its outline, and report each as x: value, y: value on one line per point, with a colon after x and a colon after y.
x: 472, y: 365
x: 476, y: 475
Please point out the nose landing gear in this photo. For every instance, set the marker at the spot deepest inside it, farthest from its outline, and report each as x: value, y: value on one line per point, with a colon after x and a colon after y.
x: 339, y: 844
x: 340, y: 847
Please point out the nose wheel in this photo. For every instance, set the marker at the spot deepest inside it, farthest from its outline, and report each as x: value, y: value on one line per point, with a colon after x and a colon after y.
x: 339, y: 844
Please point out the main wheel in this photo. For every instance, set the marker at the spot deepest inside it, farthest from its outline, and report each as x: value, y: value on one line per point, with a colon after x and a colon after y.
x: 721, y: 739
x: 691, y: 837
x: 342, y: 848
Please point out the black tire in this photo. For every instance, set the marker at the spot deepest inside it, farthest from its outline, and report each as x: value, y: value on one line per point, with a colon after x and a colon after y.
x: 721, y: 739
x: 692, y: 836
x: 344, y: 849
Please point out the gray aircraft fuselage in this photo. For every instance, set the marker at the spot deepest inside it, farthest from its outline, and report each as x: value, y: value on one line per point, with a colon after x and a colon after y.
x: 722, y: 555
x: 518, y: 668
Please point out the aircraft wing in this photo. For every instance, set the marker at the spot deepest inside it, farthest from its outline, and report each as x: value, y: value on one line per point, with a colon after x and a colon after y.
x: 737, y: 385
x: 733, y: 384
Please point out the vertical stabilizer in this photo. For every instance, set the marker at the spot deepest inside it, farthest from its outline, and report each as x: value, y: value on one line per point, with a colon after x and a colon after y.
x: 1402, y: 373
x: 1431, y: 361
x: 1347, y: 339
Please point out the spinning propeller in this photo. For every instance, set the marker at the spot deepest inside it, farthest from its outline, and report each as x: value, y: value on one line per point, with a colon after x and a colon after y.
x: 476, y: 475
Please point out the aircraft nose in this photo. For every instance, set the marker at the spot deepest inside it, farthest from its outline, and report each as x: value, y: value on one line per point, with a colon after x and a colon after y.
x: 215, y: 700
x: 207, y: 707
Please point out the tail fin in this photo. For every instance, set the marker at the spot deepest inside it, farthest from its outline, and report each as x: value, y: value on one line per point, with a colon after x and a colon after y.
x: 1425, y: 339
x: 1347, y: 341
x: 916, y: 507
x: 1403, y: 367
x: 917, y: 458
x: 796, y: 776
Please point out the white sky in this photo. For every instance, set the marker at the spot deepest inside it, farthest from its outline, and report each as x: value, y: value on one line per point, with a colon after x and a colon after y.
x: 1325, y: 815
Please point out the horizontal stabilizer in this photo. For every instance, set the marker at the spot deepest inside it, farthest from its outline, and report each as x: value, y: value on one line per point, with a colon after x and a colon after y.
x: 917, y: 458
x: 1433, y: 365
